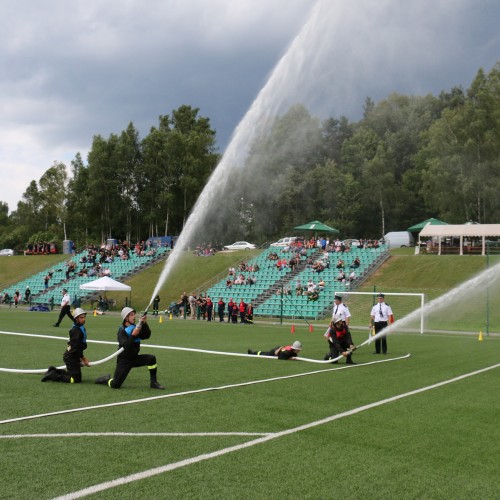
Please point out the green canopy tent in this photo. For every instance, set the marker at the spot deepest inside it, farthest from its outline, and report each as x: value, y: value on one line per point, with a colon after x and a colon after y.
x: 433, y: 222
x: 317, y: 227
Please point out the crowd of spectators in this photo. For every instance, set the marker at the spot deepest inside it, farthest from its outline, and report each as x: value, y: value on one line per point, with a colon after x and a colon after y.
x: 41, y: 248
x: 207, y: 249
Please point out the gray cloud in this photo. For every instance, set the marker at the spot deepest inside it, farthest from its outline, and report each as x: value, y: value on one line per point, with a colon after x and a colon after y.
x: 74, y: 69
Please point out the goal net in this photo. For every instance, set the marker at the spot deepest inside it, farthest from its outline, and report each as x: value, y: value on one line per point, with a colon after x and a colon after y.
x: 402, y: 304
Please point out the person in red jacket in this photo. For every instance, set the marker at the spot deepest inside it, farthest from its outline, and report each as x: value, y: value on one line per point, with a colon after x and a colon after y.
x: 221, y: 305
x: 281, y: 352
x: 210, y: 308
x: 230, y: 306
x: 340, y: 340
x: 242, y: 308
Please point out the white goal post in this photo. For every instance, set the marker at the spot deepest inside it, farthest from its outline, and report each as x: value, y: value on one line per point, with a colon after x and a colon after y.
x: 402, y: 304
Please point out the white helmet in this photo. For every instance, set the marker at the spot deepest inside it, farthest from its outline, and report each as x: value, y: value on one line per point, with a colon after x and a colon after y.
x: 78, y: 312
x: 297, y: 346
x: 125, y: 312
x: 337, y: 319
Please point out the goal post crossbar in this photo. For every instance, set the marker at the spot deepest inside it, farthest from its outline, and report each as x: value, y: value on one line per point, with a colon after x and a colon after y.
x: 421, y: 296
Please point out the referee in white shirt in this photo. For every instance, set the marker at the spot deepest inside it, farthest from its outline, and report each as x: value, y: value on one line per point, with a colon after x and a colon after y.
x: 340, y: 309
x: 381, y: 315
x: 65, y: 308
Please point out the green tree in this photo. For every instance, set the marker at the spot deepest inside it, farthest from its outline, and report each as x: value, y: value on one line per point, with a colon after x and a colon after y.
x: 53, y: 197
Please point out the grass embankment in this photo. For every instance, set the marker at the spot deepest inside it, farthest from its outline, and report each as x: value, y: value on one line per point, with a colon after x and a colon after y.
x: 19, y: 267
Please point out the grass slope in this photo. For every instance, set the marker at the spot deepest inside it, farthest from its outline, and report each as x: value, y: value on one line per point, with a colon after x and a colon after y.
x: 19, y: 267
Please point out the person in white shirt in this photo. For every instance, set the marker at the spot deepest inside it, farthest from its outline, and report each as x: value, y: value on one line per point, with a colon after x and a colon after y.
x: 381, y: 315
x: 65, y: 308
x: 341, y: 310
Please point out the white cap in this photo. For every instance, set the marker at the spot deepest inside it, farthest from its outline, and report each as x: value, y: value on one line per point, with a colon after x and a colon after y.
x: 125, y: 312
x: 297, y: 346
x: 78, y: 312
x: 337, y: 318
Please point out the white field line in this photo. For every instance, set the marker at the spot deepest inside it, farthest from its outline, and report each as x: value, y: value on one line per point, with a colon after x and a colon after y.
x: 133, y: 434
x: 207, y: 456
x: 196, y: 391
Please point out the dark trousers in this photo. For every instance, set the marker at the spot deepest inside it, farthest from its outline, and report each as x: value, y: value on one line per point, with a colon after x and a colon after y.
x: 125, y: 364
x: 65, y: 311
x: 73, y: 372
x: 381, y: 341
x: 341, y: 345
x: 229, y: 314
x: 221, y: 315
x: 271, y: 352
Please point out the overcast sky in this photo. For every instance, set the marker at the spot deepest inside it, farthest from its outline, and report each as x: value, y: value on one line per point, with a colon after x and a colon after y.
x: 73, y: 69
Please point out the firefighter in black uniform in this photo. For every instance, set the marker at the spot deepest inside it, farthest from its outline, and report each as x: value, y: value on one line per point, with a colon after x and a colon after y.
x: 73, y: 356
x: 281, y: 352
x: 340, y: 340
x: 129, y: 337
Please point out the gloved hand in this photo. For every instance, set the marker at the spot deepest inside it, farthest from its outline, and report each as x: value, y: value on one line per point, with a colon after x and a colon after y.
x: 142, y: 321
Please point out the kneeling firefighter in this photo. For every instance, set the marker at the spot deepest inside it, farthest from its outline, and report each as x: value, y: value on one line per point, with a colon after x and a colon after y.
x: 339, y: 340
x: 129, y: 337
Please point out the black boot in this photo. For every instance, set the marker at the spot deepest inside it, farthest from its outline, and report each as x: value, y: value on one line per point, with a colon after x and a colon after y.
x: 154, y: 383
x: 103, y: 380
x: 51, y: 374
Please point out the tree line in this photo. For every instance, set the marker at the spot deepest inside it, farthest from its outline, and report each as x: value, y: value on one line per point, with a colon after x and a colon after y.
x: 407, y: 159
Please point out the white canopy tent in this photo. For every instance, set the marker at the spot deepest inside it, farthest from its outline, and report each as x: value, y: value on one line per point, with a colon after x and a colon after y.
x: 107, y: 284
x: 461, y: 231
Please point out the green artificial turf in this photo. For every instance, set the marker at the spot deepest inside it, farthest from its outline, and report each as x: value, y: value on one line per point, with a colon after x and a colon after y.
x: 442, y: 443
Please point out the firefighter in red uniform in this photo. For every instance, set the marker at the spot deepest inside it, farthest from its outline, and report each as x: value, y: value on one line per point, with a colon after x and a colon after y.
x: 281, y: 352
x: 230, y: 306
x: 242, y: 308
x: 340, y: 341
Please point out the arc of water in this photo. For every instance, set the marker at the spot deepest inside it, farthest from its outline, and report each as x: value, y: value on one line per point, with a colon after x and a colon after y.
x: 257, y: 119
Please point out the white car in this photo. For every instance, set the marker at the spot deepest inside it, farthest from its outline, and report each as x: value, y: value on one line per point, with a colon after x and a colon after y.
x: 284, y: 242
x: 240, y: 245
x: 7, y: 251
x: 351, y: 243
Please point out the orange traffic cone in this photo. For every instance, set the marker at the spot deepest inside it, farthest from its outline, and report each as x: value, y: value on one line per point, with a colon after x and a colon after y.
x: 480, y: 336
x: 292, y: 330
x: 95, y: 312
x: 311, y: 329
